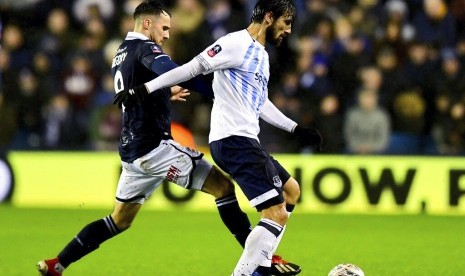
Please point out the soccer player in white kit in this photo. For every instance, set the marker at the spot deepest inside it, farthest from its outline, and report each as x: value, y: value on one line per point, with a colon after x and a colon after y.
x: 241, y: 72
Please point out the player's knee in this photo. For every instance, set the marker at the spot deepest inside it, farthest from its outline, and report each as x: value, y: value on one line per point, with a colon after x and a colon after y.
x: 218, y: 184
x: 276, y: 213
x: 122, y: 222
x: 226, y: 186
x: 123, y: 225
x: 281, y: 217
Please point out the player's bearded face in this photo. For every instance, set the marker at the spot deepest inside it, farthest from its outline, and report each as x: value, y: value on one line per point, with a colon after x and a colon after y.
x: 278, y: 31
x: 273, y: 36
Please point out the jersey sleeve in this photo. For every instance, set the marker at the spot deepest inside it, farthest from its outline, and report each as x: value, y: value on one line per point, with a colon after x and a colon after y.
x: 224, y: 53
x: 154, y: 59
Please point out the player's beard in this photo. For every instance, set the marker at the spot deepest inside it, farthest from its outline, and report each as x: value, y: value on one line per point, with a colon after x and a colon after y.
x: 272, y: 36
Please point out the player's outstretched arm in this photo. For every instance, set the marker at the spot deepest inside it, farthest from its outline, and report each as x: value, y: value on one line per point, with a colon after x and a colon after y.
x: 173, y: 77
x: 272, y: 115
x: 178, y: 75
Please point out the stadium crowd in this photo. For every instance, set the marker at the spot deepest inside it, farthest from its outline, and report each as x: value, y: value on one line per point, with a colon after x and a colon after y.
x: 374, y: 76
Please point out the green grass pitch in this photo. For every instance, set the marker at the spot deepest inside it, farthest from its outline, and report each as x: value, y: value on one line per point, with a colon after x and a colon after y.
x: 196, y: 243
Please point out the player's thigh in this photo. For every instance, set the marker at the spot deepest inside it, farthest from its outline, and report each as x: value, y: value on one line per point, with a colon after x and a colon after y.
x: 134, y: 185
x: 177, y: 164
x: 252, y: 168
x: 290, y: 185
x: 291, y: 191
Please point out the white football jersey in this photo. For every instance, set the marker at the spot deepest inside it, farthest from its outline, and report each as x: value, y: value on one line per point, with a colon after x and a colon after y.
x: 241, y: 73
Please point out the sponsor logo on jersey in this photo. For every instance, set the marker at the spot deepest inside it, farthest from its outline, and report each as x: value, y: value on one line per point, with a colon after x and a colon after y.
x: 215, y: 50
x: 173, y: 174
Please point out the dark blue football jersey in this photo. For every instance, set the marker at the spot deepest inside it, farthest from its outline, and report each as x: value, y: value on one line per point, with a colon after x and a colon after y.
x: 144, y: 124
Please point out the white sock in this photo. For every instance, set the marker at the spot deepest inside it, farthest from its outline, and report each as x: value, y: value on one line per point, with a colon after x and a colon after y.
x: 267, y: 263
x: 258, y: 247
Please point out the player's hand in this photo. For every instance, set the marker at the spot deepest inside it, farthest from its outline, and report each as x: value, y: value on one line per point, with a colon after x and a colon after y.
x: 136, y: 94
x: 179, y: 94
x: 309, y: 137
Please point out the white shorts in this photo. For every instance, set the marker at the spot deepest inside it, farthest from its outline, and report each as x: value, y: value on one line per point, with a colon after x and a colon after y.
x: 171, y: 161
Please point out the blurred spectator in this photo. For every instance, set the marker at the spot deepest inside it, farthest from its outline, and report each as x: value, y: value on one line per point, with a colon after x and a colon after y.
x: 126, y: 24
x: 85, y: 10
x: 451, y: 78
x: 106, y: 128
x: 435, y: 24
x: 8, y: 100
x: 79, y: 86
x: 316, y: 80
x: 351, y: 54
x: 408, y: 123
x: 13, y: 42
x: 223, y: 18
x: 460, y: 49
x: 318, y: 39
x: 57, y: 40
x: 456, y: 135
x: 449, y: 125
x: 106, y: 123
x: 8, y: 128
x: 59, y: 130
x: 419, y: 72
x: 29, y: 106
x: 418, y: 69
x: 48, y: 79
x: 367, y: 126
x: 394, y: 22
x: 363, y: 16
x: 393, y: 81
x: 316, y: 13
x: 329, y: 121
x: 395, y: 31
x: 190, y: 33
x: 457, y: 8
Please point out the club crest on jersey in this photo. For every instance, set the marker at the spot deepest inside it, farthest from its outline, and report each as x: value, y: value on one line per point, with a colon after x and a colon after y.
x: 215, y: 50
x: 156, y: 49
x: 277, y: 181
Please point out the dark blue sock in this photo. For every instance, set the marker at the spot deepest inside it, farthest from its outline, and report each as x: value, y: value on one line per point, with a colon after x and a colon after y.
x: 237, y: 221
x: 290, y: 207
x: 89, y: 239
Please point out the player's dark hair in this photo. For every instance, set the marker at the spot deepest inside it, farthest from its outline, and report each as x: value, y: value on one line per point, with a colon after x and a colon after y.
x: 277, y: 7
x: 150, y: 8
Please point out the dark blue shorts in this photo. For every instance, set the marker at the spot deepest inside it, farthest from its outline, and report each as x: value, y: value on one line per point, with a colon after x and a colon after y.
x: 256, y: 172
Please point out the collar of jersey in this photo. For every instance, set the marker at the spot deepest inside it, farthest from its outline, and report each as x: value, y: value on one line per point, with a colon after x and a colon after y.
x: 136, y: 35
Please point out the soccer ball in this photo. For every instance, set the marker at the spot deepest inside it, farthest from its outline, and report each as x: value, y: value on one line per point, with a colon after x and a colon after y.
x: 346, y: 270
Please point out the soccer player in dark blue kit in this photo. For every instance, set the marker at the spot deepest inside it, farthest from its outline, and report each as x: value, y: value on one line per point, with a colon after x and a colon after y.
x: 149, y: 155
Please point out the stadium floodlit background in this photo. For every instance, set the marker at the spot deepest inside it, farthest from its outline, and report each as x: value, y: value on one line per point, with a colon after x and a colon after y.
x: 384, y: 82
